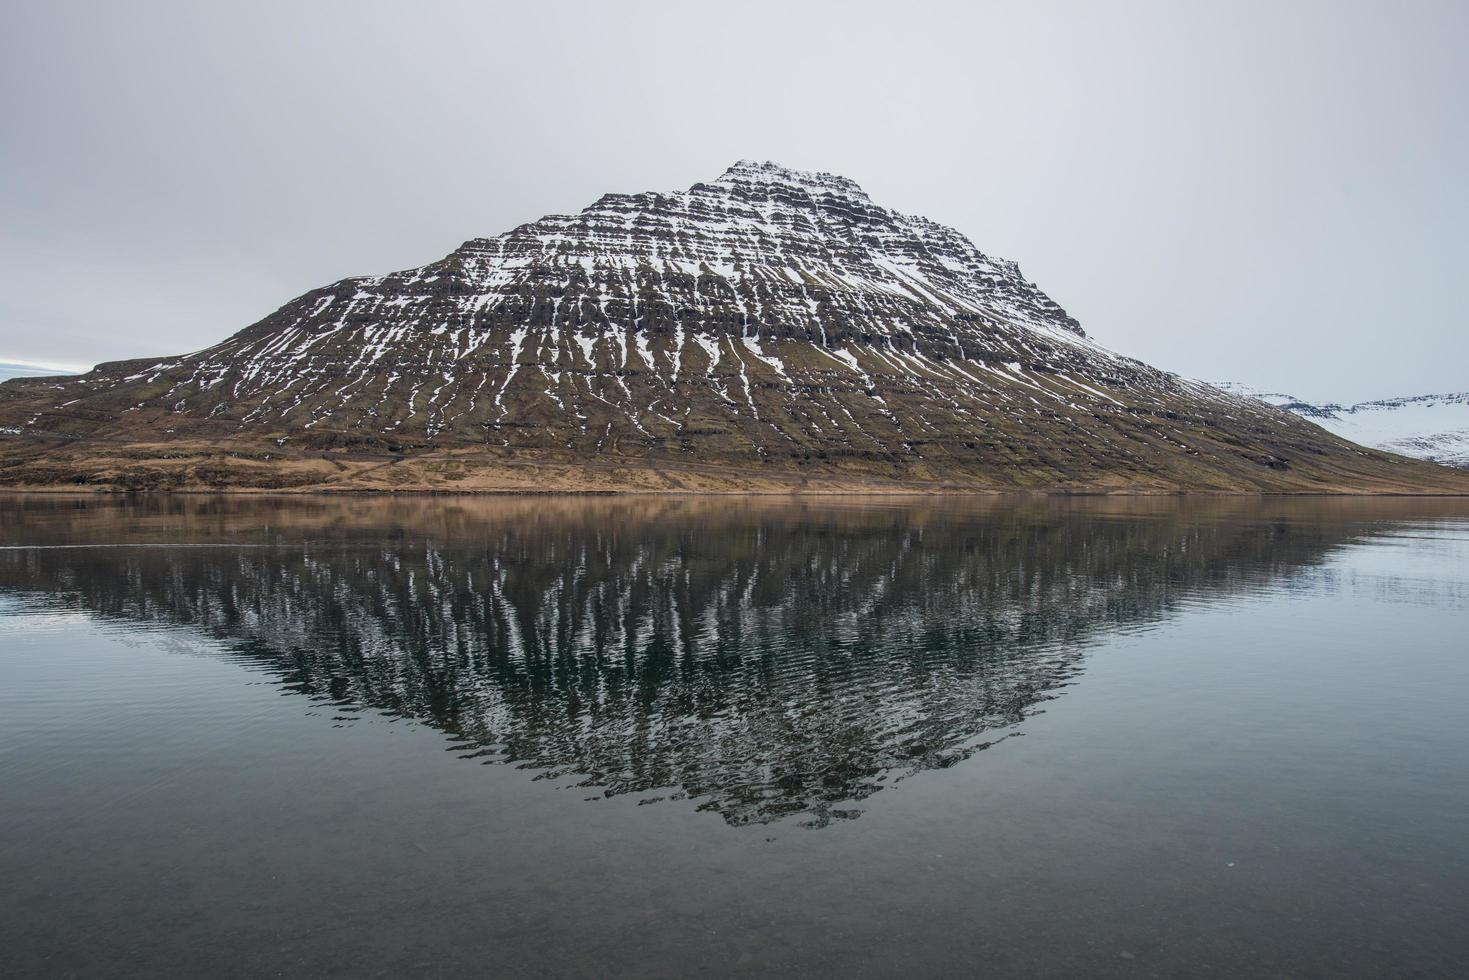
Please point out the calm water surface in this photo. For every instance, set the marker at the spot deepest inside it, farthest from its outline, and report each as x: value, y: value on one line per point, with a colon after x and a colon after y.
x: 657, y: 737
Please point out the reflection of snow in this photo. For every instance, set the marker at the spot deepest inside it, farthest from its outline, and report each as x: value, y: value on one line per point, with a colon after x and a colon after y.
x: 766, y: 664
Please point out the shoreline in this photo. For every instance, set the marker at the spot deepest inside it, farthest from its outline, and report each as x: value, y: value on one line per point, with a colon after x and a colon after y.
x: 873, y: 492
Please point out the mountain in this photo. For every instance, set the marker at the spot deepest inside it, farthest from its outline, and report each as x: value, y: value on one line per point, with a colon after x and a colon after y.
x: 772, y: 329
x: 1431, y: 427
x: 14, y: 369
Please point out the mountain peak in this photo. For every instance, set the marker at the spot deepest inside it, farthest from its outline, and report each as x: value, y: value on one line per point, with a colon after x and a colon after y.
x: 755, y: 173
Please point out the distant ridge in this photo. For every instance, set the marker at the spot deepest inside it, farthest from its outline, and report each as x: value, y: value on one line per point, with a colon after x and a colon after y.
x: 1431, y: 427
x: 20, y: 369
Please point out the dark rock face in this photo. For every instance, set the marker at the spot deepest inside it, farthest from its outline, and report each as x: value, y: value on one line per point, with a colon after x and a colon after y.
x: 771, y: 319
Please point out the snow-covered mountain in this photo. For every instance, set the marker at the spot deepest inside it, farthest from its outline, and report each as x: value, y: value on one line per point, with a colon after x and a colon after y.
x: 14, y: 369
x: 1431, y: 427
x: 770, y: 328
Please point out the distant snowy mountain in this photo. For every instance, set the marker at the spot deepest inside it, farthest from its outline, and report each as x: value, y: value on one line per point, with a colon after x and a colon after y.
x: 1432, y: 427
x: 12, y: 369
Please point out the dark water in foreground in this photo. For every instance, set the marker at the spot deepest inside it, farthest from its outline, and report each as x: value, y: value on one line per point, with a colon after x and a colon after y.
x: 454, y: 736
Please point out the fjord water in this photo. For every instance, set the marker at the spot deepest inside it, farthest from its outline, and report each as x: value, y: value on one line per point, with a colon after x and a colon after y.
x: 321, y: 736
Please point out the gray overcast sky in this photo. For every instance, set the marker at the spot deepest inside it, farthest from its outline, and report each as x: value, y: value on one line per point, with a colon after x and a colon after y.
x: 1272, y: 193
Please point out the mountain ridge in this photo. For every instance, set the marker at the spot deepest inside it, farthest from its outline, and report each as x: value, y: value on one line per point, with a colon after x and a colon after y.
x: 770, y: 329
x: 1430, y: 427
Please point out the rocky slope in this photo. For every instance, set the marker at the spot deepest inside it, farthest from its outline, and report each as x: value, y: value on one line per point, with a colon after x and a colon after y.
x: 771, y: 329
x: 1431, y: 427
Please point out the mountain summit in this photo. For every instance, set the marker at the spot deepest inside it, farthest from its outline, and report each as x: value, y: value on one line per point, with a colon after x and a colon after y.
x: 772, y: 328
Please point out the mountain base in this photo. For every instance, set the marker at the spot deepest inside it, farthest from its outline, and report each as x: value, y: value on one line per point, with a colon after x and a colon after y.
x: 248, y: 467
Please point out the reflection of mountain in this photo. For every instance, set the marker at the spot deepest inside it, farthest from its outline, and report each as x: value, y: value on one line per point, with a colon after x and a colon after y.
x: 765, y: 658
